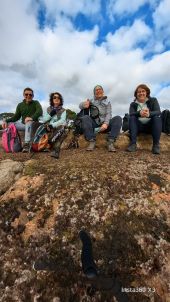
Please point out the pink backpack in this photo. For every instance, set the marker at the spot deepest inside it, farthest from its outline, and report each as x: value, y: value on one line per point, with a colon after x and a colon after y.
x: 11, y: 141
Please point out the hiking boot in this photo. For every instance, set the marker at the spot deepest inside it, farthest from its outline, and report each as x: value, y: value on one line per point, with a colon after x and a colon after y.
x: 132, y: 148
x: 110, y: 146
x: 55, y: 154
x: 91, y: 146
x: 26, y: 148
x: 156, y: 149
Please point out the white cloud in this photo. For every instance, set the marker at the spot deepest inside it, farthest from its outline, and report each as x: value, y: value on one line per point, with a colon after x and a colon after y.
x: 119, y: 7
x: 70, y: 62
x: 162, y: 22
x: 71, y: 9
x: 163, y: 97
x: 128, y: 37
x: 123, y: 7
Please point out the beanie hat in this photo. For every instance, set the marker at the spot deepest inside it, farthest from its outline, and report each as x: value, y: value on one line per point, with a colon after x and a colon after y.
x: 96, y: 87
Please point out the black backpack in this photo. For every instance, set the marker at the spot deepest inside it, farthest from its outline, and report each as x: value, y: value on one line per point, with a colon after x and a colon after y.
x: 165, y: 115
x: 92, y: 111
x: 125, y: 124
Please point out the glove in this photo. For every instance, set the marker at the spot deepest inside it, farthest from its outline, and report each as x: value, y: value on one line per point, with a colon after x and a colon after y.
x: 53, y: 112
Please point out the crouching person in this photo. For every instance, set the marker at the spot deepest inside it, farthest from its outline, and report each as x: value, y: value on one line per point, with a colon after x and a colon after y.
x: 145, y: 117
x: 103, y: 122
x: 29, y: 111
x: 55, y: 117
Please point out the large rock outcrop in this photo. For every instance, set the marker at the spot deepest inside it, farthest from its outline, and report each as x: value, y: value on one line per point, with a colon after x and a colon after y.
x: 10, y: 171
x: 122, y: 200
x: 144, y: 141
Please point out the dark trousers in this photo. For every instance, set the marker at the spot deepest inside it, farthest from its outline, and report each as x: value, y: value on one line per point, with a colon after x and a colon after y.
x: 89, y: 125
x: 154, y: 126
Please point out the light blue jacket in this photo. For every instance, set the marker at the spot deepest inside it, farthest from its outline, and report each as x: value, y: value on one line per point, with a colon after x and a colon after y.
x: 55, y: 120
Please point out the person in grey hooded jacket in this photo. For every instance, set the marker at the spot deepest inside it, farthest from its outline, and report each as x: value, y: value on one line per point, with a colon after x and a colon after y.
x: 103, y: 122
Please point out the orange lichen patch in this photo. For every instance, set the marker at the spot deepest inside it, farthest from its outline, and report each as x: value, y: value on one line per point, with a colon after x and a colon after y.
x: 20, y: 188
x: 36, y: 181
x: 166, y: 176
x: 22, y: 219
x: 161, y: 197
x: 154, y: 186
x: 31, y: 227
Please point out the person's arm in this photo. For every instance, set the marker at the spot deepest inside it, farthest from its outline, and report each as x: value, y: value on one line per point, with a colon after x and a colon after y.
x: 61, y: 121
x: 133, y: 110
x: 156, y: 108
x: 85, y: 104
x: 45, y: 117
x: 16, y: 116
x: 108, y: 114
x: 38, y: 111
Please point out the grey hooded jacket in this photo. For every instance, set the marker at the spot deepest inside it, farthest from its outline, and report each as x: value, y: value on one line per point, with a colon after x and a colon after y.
x: 104, y: 107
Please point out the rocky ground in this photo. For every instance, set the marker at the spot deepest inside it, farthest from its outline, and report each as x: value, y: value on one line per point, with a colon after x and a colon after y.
x: 121, y: 199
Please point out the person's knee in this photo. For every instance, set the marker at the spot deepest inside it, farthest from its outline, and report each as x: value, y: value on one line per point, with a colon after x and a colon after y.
x: 116, y: 119
x: 156, y: 118
x: 86, y: 121
x: 85, y: 118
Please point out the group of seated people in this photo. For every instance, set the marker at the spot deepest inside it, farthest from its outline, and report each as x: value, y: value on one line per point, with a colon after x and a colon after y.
x: 145, y: 117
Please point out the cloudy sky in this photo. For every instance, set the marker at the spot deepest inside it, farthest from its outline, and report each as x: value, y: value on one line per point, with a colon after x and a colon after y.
x: 71, y: 45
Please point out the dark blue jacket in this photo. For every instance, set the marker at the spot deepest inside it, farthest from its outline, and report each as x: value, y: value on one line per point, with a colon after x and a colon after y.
x: 152, y: 104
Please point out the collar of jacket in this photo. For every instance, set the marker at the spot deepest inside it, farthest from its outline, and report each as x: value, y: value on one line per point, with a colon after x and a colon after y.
x: 101, y: 99
x: 28, y: 102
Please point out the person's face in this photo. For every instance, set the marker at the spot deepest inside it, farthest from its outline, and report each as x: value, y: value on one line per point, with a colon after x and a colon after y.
x: 99, y: 93
x: 141, y: 95
x: 56, y: 100
x: 28, y: 96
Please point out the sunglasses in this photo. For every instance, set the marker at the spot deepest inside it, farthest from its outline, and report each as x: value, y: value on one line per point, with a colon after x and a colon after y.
x: 28, y: 94
x: 56, y: 97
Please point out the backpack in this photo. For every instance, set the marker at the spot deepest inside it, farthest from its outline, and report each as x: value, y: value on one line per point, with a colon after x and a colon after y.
x: 125, y: 124
x: 165, y: 115
x: 40, y: 139
x: 11, y: 140
x: 92, y: 111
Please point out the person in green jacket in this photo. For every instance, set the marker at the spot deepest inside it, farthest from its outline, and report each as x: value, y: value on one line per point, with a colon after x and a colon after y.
x: 28, y: 111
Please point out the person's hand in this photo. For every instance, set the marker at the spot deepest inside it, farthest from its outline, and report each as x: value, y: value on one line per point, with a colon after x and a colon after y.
x: 49, y: 127
x: 103, y: 127
x: 28, y: 119
x: 4, y: 125
x: 144, y: 112
x: 86, y: 104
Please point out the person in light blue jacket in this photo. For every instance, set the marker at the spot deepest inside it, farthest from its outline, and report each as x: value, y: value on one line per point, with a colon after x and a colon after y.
x: 55, y: 121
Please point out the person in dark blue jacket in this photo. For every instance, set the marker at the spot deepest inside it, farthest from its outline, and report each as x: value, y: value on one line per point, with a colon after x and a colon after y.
x: 145, y: 117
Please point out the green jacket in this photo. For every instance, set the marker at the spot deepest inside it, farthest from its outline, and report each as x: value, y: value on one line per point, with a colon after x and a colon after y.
x: 23, y: 110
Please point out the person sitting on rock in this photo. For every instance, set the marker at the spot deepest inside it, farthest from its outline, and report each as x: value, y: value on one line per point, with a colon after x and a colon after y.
x: 29, y: 111
x: 145, y: 117
x: 103, y: 123
x: 55, y: 119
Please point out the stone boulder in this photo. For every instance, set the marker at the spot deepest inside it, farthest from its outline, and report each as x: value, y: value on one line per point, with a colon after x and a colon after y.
x: 10, y: 171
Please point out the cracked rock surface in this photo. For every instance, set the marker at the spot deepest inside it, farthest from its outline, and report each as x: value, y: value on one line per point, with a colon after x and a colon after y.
x: 121, y: 199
